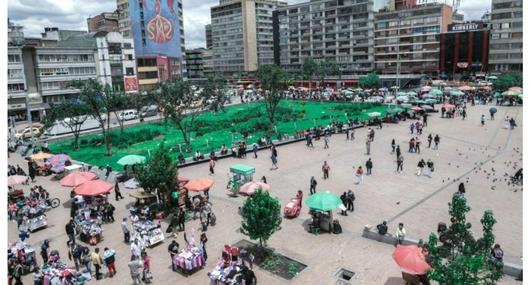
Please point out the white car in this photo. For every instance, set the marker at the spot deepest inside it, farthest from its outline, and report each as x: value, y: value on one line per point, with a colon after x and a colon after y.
x: 128, y: 115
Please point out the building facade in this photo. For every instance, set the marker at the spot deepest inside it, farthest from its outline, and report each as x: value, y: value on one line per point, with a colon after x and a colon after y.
x: 464, y: 51
x: 506, y: 44
x: 407, y: 40
x: 124, y: 25
x: 340, y: 31
x: 242, y: 34
x: 16, y: 84
x: 103, y: 22
x: 195, y: 63
x: 209, y: 37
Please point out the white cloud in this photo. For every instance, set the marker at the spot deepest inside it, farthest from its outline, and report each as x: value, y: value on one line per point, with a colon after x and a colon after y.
x: 34, y: 15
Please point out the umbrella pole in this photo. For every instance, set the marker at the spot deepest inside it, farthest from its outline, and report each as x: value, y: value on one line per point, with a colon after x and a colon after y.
x: 331, y: 226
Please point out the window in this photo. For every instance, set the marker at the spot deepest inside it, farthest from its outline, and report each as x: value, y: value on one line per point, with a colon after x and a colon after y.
x: 13, y: 58
x: 505, y: 26
x: 16, y: 87
x: 14, y: 73
x: 504, y: 36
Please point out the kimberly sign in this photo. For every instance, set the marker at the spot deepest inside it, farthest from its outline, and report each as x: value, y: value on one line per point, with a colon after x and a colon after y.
x: 465, y: 27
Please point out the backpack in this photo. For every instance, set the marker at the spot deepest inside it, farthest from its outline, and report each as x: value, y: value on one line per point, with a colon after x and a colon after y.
x: 77, y: 251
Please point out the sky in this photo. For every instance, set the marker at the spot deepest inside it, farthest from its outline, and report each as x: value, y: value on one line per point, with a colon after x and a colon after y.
x: 34, y: 15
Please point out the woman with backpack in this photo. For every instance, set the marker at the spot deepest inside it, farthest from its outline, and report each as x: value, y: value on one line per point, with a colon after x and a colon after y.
x: 109, y: 257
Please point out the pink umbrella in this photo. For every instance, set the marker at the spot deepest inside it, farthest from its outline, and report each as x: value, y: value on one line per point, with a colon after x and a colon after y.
x: 93, y: 188
x: 59, y: 159
x: 516, y: 88
x: 250, y: 187
x: 425, y: 88
x: 416, y: 108
x: 465, y: 88
x: 77, y: 178
x: 16, y: 179
x: 410, y: 259
x: 448, y: 106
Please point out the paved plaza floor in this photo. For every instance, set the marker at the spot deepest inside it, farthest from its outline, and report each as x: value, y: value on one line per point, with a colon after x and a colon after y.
x: 481, y: 155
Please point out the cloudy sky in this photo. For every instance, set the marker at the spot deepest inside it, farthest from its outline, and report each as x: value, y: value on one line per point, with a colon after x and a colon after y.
x: 34, y: 15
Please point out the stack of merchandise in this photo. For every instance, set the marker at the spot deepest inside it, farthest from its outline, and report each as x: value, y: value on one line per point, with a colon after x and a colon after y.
x: 147, y: 232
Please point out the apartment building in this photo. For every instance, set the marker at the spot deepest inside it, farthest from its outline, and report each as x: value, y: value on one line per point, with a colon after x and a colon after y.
x: 506, y: 44
x: 209, y: 36
x: 103, y: 22
x: 124, y: 24
x: 195, y: 63
x: 407, y: 40
x: 16, y: 84
x: 116, y: 64
x: 340, y: 31
x: 242, y: 34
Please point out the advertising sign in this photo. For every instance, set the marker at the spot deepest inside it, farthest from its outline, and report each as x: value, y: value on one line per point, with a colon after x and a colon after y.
x: 131, y: 83
x: 155, y: 27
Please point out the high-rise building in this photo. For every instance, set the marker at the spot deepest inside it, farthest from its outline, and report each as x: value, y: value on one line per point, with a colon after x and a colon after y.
x: 407, y: 41
x: 464, y: 51
x: 15, y: 34
x: 336, y: 31
x: 209, y: 36
x: 158, y: 33
x: 124, y: 25
x: 506, y: 42
x: 103, y: 22
x: 242, y: 34
x: 195, y: 63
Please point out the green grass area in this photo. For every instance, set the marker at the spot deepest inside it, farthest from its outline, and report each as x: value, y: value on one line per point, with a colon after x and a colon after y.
x: 212, y: 130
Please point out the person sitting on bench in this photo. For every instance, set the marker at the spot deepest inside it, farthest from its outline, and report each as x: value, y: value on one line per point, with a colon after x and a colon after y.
x: 382, y: 228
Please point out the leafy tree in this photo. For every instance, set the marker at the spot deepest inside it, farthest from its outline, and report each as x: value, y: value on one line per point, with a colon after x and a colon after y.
x: 508, y: 80
x: 117, y: 101
x: 159, y: 173
x: 274, y: 80
x: 215, y: 93
x: 261, y: 215
x: 71, y: 114
x: 310, y: 68
x: 101, y: 102
x: 456, y: 257
x: 327, y: 68
x: 369, y: 81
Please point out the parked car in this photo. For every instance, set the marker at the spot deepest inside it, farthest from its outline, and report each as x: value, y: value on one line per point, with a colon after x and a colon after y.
x: 148, y: 111
x: 26, y: 133
x: 128, y: 115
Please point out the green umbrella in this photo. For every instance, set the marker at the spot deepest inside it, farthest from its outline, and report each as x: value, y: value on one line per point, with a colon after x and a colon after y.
x: 436, y: 92
x: 418, y: 101
x: 400, y: 93
x: 131, y: 159
x: 412, y: 93
x: 347, y: 92
x: 520, y: 95
x: 492, y: 77
x: 324, y: 201
x: 456, y: 93
x: 358, y: 90
x: 394, y: 110
x: 430, y: 101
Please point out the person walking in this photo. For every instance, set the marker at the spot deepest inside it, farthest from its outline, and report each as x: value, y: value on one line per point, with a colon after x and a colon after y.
x: 173, y: 250
x: 326, y: 141
x: 343, y: 197
x: 464, y: 113
x: 359, y: 175
x: 135, y: 248
x: 411, y: 145
x: 74, y: 254
x: 461, y: 188
x: 369, y: 166
x: 134, y: 265
x: 436, y: 141
x: 420, y: 167
x: 325, y: 168
x: 255, y: 148
x: 400, y: 234
x: 109, y: 257
x: 397, y: 151
x: 32, y: 170
x: 393, y: 145
x: 86, y: 259
x: 146, y: 276
x: 313, y: 184
x: 347, y: 134
x: 45, y: 245
x: 425, y: 120
x: 368, y: 146
x: 412, y: 127
x: 430, y: 167
x: 491, y: 112
x: 70, y: 231
x: 211, y: 166
x: 417, y: 145
x: 350, y: 200
x: 482, y: 120
x: 126, y: 231
x: 352, y: 135
x: 274, y: 162
x: 108, y: 171
x: 203, y: 241
x: 117, y: 191
x: 18, y: 271
x: 430, y: 138
x: 400, y: 163
x: 97, y: 261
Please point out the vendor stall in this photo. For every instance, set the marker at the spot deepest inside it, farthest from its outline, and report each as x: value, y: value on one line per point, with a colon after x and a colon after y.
x: 36, y: 219
x: 147, y: 232
x: 231, y: 269
x: 90, y: 231
x: 241, y: 174
x: 189, y: 260
x: 58, y: 273
x: 24, y: 254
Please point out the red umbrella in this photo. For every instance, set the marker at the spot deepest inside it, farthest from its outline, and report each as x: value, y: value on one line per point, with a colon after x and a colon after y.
x: 410, y: 259
x: 197, y: 185
x: 77, y: 178
x: 93, y: 188
x: 448, y: 106
x: 182, y: 180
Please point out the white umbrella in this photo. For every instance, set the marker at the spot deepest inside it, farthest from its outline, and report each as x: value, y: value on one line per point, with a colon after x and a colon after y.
x: 131, y: 184
x: 374, y: 114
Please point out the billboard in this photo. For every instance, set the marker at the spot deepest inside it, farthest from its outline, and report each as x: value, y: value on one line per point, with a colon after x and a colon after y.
x: 155, y: 27
x: 131, y: 83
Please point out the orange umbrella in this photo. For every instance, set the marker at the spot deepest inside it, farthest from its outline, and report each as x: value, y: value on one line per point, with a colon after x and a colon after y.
x: 410, y: 259
x: 200, y: 184
x: 77, y: 178
x: 93, y: 188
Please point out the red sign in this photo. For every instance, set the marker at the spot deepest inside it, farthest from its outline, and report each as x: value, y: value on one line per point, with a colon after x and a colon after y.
x: 131, y: 84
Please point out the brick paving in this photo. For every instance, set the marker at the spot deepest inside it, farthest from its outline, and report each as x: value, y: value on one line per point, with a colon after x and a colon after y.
x: 419, y: 202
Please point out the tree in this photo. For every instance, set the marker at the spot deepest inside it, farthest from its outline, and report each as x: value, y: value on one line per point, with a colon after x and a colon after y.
x: 159, y: 174
x: 274, y: 80
x: 214, y: 92
x: 261, y: 216
x: 310, y: 67
x: 101, y: 102
x: 326, y: 68
x: 71, y: 114
x: 456, y: 257
x: 117, y: 102
x: 369, y: 81
x: 508, y: 80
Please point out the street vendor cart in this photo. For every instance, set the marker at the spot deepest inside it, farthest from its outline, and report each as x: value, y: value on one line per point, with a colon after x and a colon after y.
x: 240, y: 174
x: 148, y: 232
x: 142, y: 198
x: 189, y: 260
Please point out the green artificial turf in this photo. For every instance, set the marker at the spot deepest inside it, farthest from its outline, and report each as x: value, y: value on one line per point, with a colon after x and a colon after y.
x: 216, y: 129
